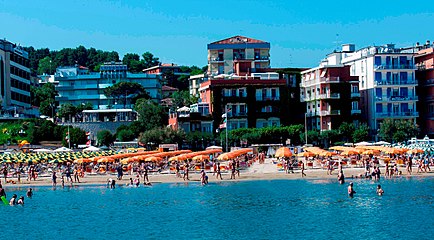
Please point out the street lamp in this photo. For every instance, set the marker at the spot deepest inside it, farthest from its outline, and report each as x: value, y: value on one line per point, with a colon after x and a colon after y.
x: 305, y: 127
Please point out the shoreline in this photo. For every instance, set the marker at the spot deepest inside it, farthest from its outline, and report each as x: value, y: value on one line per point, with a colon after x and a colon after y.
x: 312, y: 174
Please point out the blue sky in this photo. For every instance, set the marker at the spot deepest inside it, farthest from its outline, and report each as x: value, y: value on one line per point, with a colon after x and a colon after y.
x: 300, y: 32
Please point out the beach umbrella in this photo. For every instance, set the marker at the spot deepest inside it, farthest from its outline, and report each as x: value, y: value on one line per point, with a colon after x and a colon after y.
x: 153, y: 159
x: 283, y: 152
x: 306, y: 154
x: 201, y: 158
x: 56, y: 161
x: 349, y: 152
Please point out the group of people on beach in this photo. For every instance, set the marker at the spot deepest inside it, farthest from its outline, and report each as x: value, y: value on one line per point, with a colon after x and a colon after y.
x: 14, y: 200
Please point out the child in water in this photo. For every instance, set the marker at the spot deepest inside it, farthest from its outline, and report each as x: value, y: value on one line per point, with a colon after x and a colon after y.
x: 380, y: 191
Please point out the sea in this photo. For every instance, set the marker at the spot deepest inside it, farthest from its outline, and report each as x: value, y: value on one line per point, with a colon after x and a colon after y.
x: 266, y: 209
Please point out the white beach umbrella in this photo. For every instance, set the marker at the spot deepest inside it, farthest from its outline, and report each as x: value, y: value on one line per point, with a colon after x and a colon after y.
x: 63, y: 149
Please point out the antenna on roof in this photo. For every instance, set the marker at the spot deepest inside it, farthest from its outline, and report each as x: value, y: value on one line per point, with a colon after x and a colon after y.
x: 337, y: 42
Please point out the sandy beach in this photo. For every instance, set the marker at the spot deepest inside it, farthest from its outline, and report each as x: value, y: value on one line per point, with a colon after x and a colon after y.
x: 266, y: 171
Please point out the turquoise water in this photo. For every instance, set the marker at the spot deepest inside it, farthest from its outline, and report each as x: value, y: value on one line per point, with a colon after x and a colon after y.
x: 278, y: 209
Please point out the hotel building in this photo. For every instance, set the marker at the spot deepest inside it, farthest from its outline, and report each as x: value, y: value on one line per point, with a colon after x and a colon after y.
x: 424, y: 60
x: 14, y: 78
x: 387, y: 82
x: 331, y: 95
x: 76, y: 85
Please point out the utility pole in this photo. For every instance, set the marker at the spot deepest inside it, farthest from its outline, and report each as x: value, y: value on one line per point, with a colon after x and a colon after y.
x: 305, y: 127
x: 227, y: 125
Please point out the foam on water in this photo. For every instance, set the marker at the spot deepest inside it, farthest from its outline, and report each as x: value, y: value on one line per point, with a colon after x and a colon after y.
x: 278, y: 209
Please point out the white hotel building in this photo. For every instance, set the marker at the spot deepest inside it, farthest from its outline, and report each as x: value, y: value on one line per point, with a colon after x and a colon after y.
x: 386, y: 81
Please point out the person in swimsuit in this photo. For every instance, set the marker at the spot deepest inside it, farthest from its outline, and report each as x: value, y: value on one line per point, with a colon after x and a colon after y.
x: 13, y: 200
x: 302, y: 169
x: 380, y: 191
x: 341, y: 177
x: 20, y: 201
x: 219, y: 172
x: 30, y: 193
x: 54, y: 179
x: 5, y: 173
x: 2, y: 191
x: 186, y: 166
x: 237, y: 165
x: 178, y: 170
x: 145, y: 174
x: 233, y: 169
x: 203, y: 177
x: 351, y: 190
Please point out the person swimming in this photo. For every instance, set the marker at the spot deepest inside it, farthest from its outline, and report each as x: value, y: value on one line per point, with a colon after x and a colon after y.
x: 380, y: 191
x: 30, y: 193
x: 351, y: 190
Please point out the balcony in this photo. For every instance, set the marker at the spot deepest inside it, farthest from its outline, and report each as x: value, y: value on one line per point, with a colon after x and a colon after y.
x: 262, y: 58
x: 234, y: 99
x: 396, y: 114
x: 394, y: 82
x: 329, y: 96
x: 216, y: 60
x: 237, y: 114
x: 330, y: 112
x: 267, y: 98
x: 321, y: 80
x: 356, y: 111
x: 427, y: 82
x: 397, y: 99
x: 355, y: 94
x: 397, y: 66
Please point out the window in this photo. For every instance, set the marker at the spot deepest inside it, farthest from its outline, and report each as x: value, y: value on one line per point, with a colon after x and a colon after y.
x: 377, y: 60
x: 378, y: 92
x: 355, y: 105
x: 379, y: 108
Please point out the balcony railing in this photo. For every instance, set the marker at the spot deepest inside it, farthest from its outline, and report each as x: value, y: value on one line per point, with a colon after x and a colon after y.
x: 237, y: 114
x: 305, y: 83
x: 394, y: 82
x: 355, y: 94
x: 397, y: 66
x: 356, y: 111
x: 329, y: 96
x: 397, y: 114
x: 397, y: 98
x: 261, y: 58
x: 330, y: 112
x: 216, y: 59
x: 267, y: 98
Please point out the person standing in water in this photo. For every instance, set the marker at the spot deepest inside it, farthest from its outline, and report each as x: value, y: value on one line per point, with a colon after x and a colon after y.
x: 54, y: 179
x: 186, y: 166
x: 219, y: 172
x: 380, y: 191
x: 13, y: 200
x: 21, y: 201
x: 30, y: 193
x: 341, y: 177
x: 2, y: 191
x: 351, y: 190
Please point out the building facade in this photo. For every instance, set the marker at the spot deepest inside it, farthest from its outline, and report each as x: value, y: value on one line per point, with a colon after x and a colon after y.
x: 424, y: 60
x: 238, y: 54
x: 76, y: 85
x: 14, y: 78
x: 191, y: 119
x: 331, y: 95
x: 387, y: 82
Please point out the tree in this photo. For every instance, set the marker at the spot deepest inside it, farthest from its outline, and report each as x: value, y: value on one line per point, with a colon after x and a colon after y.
x: 329, y: 137
x: 162, y: 135
x: 149, y: 60
x: 85, y: 106
x: 121, y: 91
x: 47, y: 107
x: 42, y: 93
x: 361, y: 133
x: 76, y: 136
x: 346, y: 130
x: 132, y: 60
x: 151, y: 115
x: 183, y: 98
x: 397, y: 130
x: 67, y: 110
x: 125, y: 135
x: 105, y: 138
